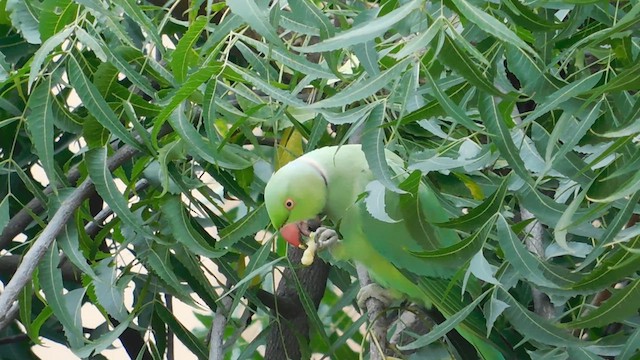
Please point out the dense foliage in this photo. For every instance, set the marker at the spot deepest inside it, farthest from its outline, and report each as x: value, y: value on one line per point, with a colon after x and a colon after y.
x: 156, y: 127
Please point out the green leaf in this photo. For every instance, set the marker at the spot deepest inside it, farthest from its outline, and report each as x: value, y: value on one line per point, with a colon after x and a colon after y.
x: 374, y: 202
x: 619, y: 264
x: 277, y: 94
x: 40, y: 125
x: 423, y: 40
x: 493, y: 115
x: 367, y: 31
x: 70, y: 245
x: 96, y: 161
x: 631, y: 346
x: 192, y: 83
x: 613, y: 229
x: 291, y: 60
x: 66, y: 310
x: 350, y: 116
x: 189, y: 268
x: 183, y: 230
x: 256, y: 14
x: 250, y: 224
x: 157, y: 259
x: 443, y: 328
x: 43, y: 52
x: 529, y: 266
x: 620, y: 306
x: 629, y: 79
x: 457, y: 59
x: 482, y: 213
x: 456, y: 112
x: 533, y: 326
x: 133, y: 10
x: 564, y: 94
x: 527, y: 18
x: 105, y: 341
x: 363, y: 87
x: 108, y: 290
x: 202, y: 147
x: 97, y: 105
x: 577, y: 133
x: 24, y: 18
x: 492, y: 309
x: 182, y: 333
x: 373, y: 148
x: 491, y: 25
x: 460, y: 253
x: 565, y: 221
x: 55, y: 15
x: 549, y: 212
x: 183, y: 55
x: 4, y: 213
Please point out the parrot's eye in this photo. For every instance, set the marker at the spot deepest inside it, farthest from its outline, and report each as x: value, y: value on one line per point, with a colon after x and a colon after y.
x: 289, y: 204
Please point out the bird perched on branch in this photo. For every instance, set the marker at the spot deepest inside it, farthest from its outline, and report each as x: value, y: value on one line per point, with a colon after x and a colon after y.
x: 336, y: 184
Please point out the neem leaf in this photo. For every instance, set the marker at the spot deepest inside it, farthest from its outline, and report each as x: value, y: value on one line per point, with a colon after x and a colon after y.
x: 533, y: 326
x: 183, y: 230
x: 461, y: 252
x: 375, y: 203
x: 183, y: 55
x: 250, y: 224
x: 97, y: 105
x: 491, y: 25
x: 479, y: 215
x: 40, y: 125
x: 443, y: 328
x: 366, y: 32
x: 620, y: 306
x: 256, y: 14
x: 374, y: 151
x: 182, y: 333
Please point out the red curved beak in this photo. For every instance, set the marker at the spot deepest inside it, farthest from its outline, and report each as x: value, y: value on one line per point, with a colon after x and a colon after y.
x: 291, y: 233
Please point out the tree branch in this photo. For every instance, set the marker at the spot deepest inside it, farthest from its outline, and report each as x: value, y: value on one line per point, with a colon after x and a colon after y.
x: 216, y: 351
x: 293, y: 326
x: 376, y: 313
x: 541, y: 303
x: 31, y: 259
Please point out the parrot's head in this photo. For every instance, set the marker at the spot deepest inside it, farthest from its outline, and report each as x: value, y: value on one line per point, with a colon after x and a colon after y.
x: 294, y: 195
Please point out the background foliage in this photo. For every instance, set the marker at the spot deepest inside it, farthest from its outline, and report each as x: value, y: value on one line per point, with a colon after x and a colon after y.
x: 157, y: 126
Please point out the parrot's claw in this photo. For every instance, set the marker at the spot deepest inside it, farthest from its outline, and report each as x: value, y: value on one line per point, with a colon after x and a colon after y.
x: 374, y: 291
x: 325, y: 238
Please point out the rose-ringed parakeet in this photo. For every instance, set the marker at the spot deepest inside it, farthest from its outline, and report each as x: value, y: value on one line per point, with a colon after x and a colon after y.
x: 330, y: 182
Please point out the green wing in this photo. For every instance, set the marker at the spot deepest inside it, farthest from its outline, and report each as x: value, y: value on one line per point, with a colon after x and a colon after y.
x: 416, y: 211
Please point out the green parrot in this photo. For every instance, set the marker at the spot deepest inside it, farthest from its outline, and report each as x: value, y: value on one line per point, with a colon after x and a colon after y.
x: 329, y: 183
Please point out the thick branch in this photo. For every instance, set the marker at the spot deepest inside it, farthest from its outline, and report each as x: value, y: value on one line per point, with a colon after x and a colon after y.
x: 293, y: 327
x: 32, y: 258
x: 22, y: 219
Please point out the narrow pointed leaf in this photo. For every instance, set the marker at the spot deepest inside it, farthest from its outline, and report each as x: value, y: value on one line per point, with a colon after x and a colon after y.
x: 97, y: 105
x: 368, y: 31
x: 443, y: 328
x: 373, y: 146
x: 620, y: 306
x: 479, y: 215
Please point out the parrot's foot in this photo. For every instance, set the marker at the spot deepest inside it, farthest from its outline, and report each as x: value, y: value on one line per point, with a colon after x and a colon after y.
x: 377, y: 292
x: 325, y: 238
